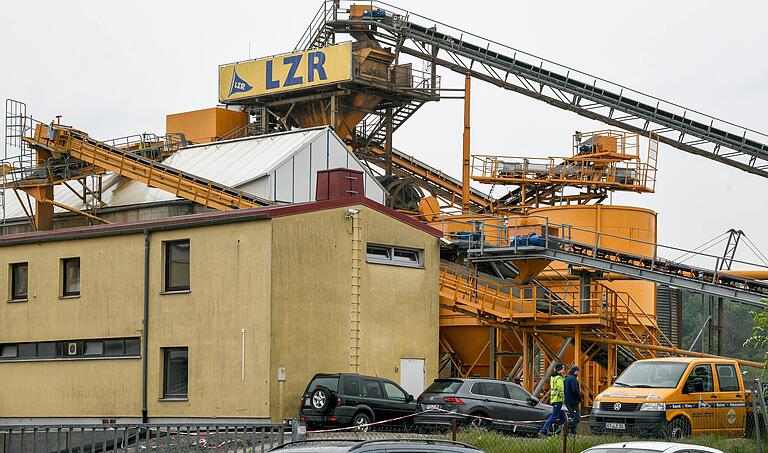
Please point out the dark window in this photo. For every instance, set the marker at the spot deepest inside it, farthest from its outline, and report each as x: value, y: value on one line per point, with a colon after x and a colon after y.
x: 114, y: 347
x: 46, y: 350
x: 71, y: 349
x: 393, y: 392
x: 19, y: 279
x: 177, y: 265
x: 517, y: 393
x: 703, y: 372
x: 726, y: 376
x: 495, y: 389
x: 373, y: 389
x: 94, y: 348
x: 329, y: 382
x: 375, y: 252
x: 407, y: 256
x: 398, y: 256
x: 444, y: 386
x: 71, y: 277
x: 9, y: 351
x: 175, y: 373
x: 27, y: 350
x: 351, y: 386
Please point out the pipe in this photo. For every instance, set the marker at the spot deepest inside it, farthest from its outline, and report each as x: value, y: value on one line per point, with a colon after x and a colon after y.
x: 753, y: 274
x: 145, y: 331
x: 682, y: 352
x: 465, y: 173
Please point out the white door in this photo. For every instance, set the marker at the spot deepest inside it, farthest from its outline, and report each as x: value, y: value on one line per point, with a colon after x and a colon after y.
x: 412, y: 376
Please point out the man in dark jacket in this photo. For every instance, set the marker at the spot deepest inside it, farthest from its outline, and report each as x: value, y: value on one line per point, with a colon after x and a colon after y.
x: 572, y: 396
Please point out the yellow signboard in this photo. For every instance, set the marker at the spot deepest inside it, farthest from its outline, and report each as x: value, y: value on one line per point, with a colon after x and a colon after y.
x: 285, y: 72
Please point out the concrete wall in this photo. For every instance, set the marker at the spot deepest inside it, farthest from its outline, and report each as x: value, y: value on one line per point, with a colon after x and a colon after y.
x: 311, y: 291
x: 110, y: 305
x: 229, y: 291
x: 286, y: 282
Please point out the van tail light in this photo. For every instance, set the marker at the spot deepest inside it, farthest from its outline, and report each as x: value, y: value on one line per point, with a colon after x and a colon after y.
x: 454, y: 400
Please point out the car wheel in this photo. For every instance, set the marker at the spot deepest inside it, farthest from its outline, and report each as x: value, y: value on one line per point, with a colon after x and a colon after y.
x: 361, y: 421
x: 479, y: 421
x: 321, y: 399
x: 678, y: 429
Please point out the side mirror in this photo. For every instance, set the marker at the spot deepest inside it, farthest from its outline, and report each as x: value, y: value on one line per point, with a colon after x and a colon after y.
x: 408, y: 398
x: 698, y: 385
x: 533, y: 401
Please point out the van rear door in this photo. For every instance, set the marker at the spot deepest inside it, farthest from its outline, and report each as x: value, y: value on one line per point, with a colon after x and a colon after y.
x: 731, y: 407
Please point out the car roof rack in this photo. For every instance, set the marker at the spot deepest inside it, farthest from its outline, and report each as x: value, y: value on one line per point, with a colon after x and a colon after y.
x: 412, y: 439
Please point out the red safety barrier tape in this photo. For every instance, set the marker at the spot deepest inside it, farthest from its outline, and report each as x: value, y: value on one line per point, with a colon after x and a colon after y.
x: 445, y: 411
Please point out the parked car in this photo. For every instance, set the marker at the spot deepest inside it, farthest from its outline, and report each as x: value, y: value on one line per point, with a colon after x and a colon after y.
x: 484, y: 398
x: 650, y: 447
x: 378, y: 446
x: 332, y: 400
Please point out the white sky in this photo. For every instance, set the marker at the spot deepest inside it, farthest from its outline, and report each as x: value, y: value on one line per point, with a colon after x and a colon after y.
x: 117, y: 68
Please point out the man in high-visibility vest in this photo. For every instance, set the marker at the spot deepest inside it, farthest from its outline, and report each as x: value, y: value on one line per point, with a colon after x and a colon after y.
x: 556, y: 398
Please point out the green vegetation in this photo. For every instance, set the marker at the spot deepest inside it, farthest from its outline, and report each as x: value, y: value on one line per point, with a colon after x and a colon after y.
x: 759, y: 339
x: 738, y: 323
x: 493, y: 442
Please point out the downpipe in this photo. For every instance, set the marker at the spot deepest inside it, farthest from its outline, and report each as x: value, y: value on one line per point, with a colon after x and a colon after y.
x: 145, y: 331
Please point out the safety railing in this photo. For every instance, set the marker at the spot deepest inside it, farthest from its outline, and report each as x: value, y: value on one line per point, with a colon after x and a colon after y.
x: 632, y: 175
x: 127, y: 438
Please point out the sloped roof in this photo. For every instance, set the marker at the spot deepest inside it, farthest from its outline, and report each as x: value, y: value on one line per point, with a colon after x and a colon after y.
x: 231, y: 162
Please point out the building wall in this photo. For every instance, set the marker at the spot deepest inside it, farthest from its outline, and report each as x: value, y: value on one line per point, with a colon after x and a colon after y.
x: 229, y: 291
x: 311, y: 292
x: 110, y: 305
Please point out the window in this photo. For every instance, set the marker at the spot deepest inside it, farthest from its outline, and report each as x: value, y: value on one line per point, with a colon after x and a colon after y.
x: 398, y: 256
x: 19, y: 278
x: 175, y: 373
x: 726, y: 375
x: 9, y: 351
x: 494, y: 389
x: 703, y: 372
x: 351, y: 386
x: 177, y: 265
x: 71, y: 349
x: 394, y: 392
x: 94, y: 348
x: 372, y: 389
x: 71, y: 277
x: 517, y: 393
x: 330, y: 382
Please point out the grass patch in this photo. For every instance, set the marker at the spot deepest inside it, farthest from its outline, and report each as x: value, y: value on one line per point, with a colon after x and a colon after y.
x: 494, y: 442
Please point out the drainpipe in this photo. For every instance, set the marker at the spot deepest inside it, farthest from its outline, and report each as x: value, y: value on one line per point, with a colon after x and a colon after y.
x: 145, y: 331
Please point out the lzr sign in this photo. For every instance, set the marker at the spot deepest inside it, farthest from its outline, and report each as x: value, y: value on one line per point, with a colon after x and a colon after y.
x: 285, y: 72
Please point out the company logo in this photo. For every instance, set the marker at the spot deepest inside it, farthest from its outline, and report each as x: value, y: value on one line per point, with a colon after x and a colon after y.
x: 238, y: 85
x: 731, y: 417
x: 617, y: 407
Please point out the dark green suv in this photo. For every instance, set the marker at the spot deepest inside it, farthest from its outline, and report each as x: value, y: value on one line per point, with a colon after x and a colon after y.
x: 333, y: 400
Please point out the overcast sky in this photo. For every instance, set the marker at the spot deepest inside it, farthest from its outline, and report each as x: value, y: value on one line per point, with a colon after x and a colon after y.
x: 117, y: 68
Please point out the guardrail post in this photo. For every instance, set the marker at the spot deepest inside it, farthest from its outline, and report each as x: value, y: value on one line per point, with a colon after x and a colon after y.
x: 298, y: 430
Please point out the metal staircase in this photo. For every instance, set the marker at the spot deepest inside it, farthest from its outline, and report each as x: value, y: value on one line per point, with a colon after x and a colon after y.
x: 374, y: 133
x: 547, y: 81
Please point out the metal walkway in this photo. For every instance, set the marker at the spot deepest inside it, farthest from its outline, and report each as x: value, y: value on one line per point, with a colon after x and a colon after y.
x: 540, y: 239
x: 555, y: 84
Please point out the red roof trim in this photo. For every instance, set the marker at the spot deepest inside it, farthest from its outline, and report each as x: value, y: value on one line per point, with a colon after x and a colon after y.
x: 209, y: 218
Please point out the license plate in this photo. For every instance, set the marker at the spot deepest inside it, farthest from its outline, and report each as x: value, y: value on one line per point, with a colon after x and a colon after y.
x: 429, y: 407
x: 615, y: 426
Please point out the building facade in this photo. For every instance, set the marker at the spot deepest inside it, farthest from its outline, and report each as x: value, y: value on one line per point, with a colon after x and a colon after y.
x: 241, y: 308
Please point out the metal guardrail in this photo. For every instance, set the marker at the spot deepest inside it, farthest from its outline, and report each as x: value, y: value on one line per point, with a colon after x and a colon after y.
x: 135, y: 438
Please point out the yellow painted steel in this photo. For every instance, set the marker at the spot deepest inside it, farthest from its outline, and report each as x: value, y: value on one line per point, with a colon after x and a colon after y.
x: 285, y: 72
x: 206, y: 125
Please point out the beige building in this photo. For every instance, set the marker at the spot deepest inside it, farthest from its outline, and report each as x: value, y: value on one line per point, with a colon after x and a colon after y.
x: 242, y: 308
